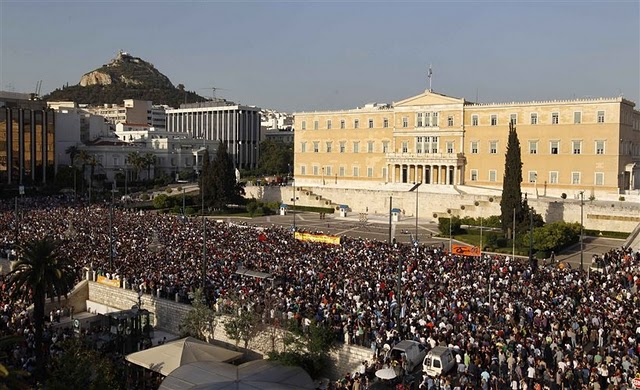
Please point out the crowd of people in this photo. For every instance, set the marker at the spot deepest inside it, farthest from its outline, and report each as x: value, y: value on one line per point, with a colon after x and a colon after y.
x: 512, y: 325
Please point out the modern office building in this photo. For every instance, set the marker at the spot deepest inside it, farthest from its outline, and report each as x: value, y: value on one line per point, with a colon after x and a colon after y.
x: 567, y: 146
x: 236, y: 125
x: 27, y: 140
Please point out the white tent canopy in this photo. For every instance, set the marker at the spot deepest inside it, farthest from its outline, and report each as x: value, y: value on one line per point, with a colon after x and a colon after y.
x: 166, y: 358
x: 254, y: 375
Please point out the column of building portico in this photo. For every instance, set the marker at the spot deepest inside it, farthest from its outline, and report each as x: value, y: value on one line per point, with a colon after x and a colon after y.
x: 455, y: 175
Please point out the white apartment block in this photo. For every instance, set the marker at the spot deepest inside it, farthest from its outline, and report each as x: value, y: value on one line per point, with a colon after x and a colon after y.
x: 133, y: 111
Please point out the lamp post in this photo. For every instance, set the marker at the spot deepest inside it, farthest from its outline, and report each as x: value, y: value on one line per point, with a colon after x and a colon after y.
x: 581, y: 231
x: 293, y: 211
x: 204, y: 236
x: 450, y: 223
x: 184, y: 210
x: 513, y: 235
x: 530, y: 211
x: 415, y: 188
x: 111, y: 228
x: 399, y: 289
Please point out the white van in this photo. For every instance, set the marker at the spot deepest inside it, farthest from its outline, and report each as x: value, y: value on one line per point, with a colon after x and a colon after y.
x: 438, y: 361
x: 413, y: 352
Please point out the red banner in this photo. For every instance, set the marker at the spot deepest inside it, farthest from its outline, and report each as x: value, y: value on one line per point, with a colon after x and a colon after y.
x: 465, y: 250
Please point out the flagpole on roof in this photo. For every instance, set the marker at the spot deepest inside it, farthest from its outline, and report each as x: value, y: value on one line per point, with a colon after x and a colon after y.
x: 429, y: 77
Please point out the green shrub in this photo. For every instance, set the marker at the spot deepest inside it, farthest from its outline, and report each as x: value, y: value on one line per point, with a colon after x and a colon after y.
x: 169, y: 190
x: 252, y: 206
x: 144, y: 196
x: 563, y: 196
x: 179, y: 188
x: 621, y: 199
x: 189, y: 210
x: 163, y: 201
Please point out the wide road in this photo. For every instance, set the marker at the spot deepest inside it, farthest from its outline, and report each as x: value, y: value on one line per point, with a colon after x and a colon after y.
x: 377, y: 227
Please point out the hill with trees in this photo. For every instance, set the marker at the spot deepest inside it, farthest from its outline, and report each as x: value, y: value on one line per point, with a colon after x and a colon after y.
x: 125, y: 77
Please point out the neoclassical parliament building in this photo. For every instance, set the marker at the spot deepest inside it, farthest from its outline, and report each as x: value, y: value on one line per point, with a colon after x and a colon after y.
x: 590, y: 145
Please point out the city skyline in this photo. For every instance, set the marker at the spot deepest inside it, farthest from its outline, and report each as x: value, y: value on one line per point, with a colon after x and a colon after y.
x: 326, y: 55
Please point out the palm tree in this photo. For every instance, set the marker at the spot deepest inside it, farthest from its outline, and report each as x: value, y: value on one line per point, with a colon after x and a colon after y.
x: 83, y: 156
x: 72, y: 151
x: 149, y: 160
x: 93, y: 162
x: 135, y: 160
x: 41, y: 271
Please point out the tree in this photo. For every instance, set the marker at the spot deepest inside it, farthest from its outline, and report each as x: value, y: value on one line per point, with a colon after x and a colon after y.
x: 221, y: 187
x: 40, y: 271
x: 135, y: 160
x: 244, y: 324
x: 11, y: 377
x: 310, y: 349
x: 72, y: 151
x: 148, y: 160
x: 200, y: 320
x: 511, y: 191
x: 275, y: 157
x: 80, y: 367
x: 83, y: 156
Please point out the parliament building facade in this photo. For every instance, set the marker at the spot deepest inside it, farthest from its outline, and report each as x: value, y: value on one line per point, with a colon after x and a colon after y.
x: 590, y: 145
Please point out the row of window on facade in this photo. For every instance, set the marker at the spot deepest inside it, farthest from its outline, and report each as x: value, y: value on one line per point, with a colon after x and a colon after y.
x: 492, y: 174
x: 534, y: 120
x: 431, y: 145
x: 554, y: 177
x: 327, y: 171
x: 430, y: 119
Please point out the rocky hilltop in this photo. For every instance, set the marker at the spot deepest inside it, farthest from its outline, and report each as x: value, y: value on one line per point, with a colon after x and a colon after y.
x: 125, y: 77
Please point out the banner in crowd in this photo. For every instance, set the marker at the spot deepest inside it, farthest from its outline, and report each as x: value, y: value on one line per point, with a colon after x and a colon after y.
x: 324, y: 238
x: 108, y: 282
x: 465, y: 250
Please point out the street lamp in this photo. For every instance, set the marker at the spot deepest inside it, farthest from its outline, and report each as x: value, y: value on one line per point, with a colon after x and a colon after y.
x: 450, y: 223
x: 399, y: 287
x: 415, y: 188
x: 111, y: 228
x: 293, y: 199
x: 581, y: 231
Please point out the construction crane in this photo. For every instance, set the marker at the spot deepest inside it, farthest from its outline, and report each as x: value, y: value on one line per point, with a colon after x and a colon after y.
x: 213, y: 91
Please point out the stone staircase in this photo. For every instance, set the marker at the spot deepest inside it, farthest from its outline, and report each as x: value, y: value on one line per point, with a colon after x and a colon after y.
x: 309, y: 198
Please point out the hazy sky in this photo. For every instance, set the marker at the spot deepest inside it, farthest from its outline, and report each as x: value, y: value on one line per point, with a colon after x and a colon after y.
x: 295, y: 55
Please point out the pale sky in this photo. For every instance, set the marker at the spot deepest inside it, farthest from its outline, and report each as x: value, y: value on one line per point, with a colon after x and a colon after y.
x: 306, y: 56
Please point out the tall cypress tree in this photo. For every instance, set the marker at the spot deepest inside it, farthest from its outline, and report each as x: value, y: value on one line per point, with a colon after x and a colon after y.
x: 511, y: 191
x: 224, y: 188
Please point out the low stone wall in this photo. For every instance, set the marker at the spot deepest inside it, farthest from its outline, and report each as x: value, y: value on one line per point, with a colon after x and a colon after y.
x: 168, y: 316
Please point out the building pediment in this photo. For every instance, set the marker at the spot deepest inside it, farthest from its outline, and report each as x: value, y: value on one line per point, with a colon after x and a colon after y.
x: 428, y: 98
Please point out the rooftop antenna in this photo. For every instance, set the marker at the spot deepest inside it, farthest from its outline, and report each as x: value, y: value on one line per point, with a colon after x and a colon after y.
x: 213, y: 91
x: 429, y: 74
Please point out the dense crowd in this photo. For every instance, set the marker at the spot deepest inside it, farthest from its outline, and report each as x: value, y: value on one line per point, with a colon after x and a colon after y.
x: 512, y: 326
